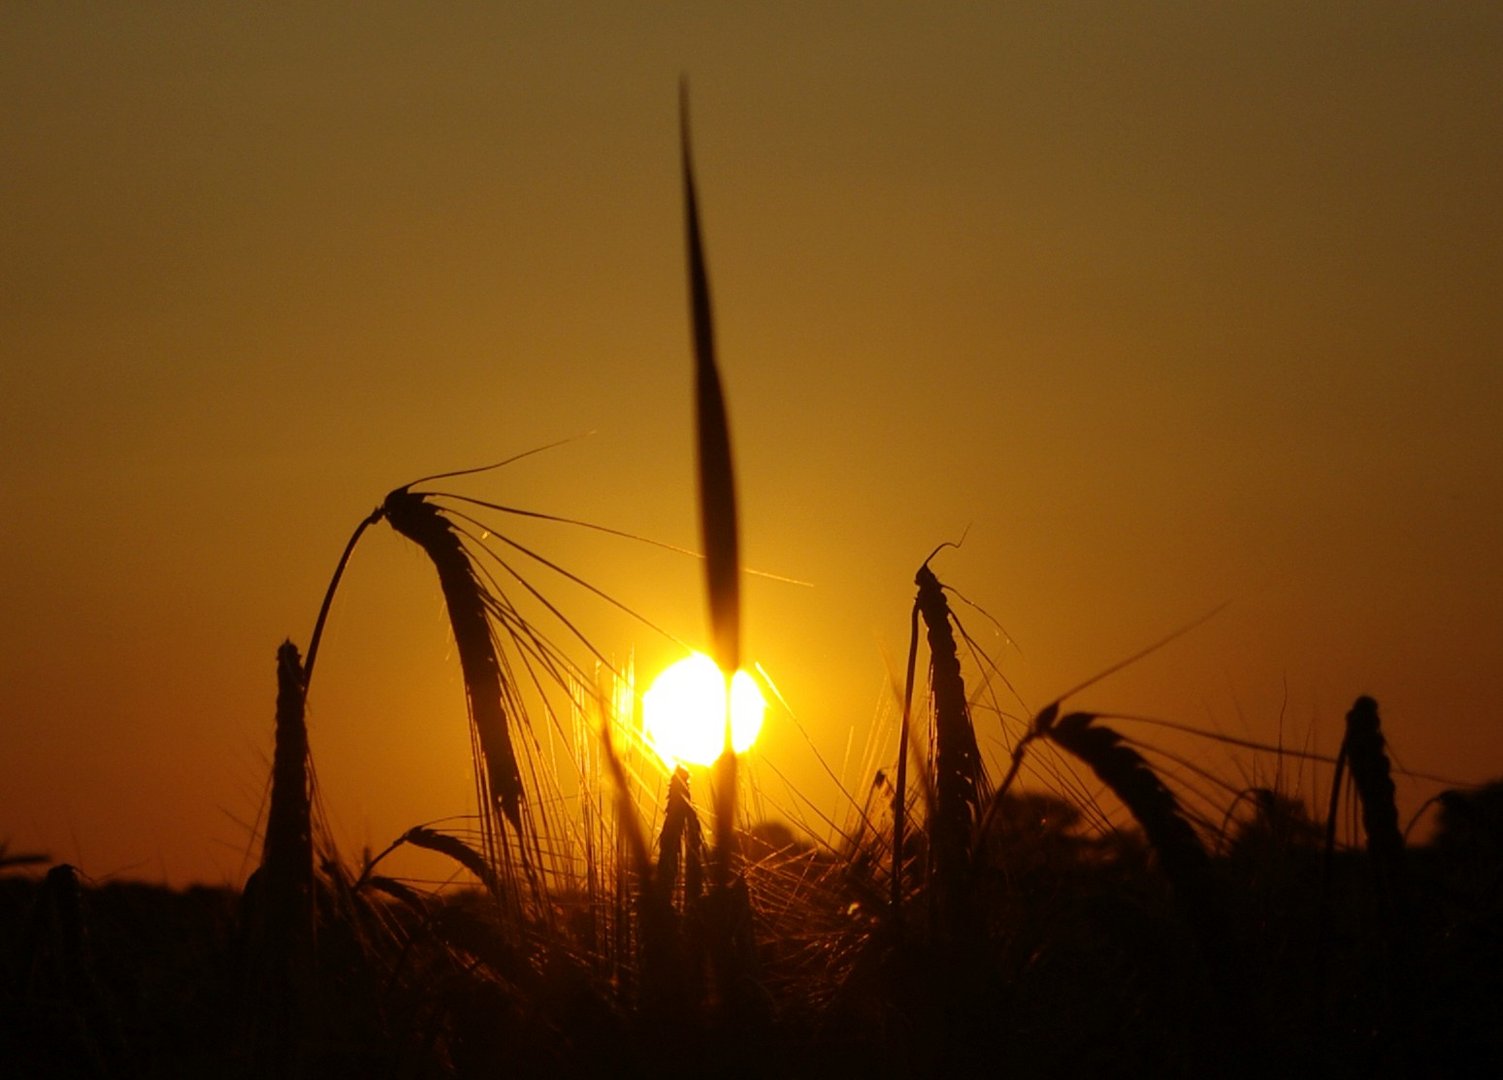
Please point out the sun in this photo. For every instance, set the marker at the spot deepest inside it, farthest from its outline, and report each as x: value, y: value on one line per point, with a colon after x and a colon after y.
x: 683, y: 713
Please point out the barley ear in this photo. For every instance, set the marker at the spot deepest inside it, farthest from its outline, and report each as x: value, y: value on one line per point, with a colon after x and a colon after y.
x: 680, y: 839
x: 287, y: 851
x: 1180, y: 853
x: 1153, y: 805
x: 959, y: 779
x: 1368, y: 760
x: 1367, y: 756
x: 278, y: 901
x: 486, y: 687
x: 1362, y: 751
x: 455, y: 848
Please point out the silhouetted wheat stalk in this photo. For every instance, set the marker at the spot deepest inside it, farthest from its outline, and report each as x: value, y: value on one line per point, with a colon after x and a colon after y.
x: 680, y: 844
x: 279, y: 899
x: 1363, y: 750
x: 416, y: 518
x: 432, y: 840
x: 466, y: 556
x: 672, y: 951
x: 287, y: 852
x: 1181, y: 856
x: 958, y: 780
x: 478, y: 611
x: 1153, y: 806
x: 1045, y: 718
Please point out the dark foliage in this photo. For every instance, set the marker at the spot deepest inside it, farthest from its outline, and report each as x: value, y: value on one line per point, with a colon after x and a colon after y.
x: 1083, y: 963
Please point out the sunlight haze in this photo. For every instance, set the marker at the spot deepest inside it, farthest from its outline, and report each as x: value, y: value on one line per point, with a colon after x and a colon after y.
x: 1160, y: 307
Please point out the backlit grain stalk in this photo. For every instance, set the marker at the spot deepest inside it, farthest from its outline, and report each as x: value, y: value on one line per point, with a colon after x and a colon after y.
x: 412, y: 515
x: 959, y: 780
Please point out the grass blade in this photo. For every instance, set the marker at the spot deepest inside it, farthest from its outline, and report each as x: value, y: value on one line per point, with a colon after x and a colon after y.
x: 717, y: 500
x: 717, y: 482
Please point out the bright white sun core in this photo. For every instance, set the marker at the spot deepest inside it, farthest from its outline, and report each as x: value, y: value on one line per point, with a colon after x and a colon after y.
x: 683, y: 713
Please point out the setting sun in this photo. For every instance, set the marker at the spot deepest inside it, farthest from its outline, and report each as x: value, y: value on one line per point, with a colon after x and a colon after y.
x: 683, y: 714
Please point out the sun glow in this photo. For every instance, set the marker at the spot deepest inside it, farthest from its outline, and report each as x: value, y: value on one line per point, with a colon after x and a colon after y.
x: 683, y: 713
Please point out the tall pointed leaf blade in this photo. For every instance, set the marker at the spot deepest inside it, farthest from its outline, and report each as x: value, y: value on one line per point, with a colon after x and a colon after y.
x: 717, y: 482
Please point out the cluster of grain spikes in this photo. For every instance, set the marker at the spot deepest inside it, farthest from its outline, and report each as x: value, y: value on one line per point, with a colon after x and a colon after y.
x: 963, y: 810
x: 514, y: 861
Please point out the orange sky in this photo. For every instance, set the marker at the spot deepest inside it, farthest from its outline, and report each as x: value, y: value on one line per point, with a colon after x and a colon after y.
x: 1186, y: 305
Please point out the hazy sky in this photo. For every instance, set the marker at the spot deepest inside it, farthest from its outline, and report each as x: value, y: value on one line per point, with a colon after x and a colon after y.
x: 1167, y: 304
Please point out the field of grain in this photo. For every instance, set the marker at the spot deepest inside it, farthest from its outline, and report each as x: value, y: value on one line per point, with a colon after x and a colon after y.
x: 1081, y: 905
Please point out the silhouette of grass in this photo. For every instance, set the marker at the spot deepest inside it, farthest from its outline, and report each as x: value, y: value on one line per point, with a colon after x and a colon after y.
x: 726, y: 910
x: 1057, y: 944
x: 719, y: 531
x: 418, y: 519
x: 287, y: 853
x: 432, y: 840
x: 1152, y: 804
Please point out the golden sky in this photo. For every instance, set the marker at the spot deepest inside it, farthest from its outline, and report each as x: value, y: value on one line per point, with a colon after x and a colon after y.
x: 1161, y: 306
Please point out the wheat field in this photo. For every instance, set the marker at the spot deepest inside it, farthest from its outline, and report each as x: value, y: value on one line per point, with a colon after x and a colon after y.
x: 1081, y: 902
